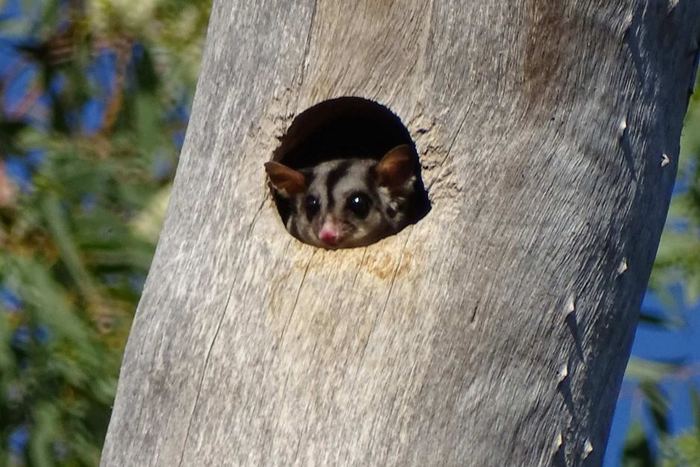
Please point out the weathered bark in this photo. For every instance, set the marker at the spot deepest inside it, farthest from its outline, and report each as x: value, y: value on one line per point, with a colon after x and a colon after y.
x: 541, y: 127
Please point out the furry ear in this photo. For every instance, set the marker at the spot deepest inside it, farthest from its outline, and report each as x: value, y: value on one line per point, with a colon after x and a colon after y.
x: 286, y: 181
x: 396, y: 169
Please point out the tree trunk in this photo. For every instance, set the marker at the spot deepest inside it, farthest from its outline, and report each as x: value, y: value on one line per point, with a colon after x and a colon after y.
x: 496, y: 330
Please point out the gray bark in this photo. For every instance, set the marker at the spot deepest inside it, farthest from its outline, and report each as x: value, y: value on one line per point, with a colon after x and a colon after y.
x: 541, y: 127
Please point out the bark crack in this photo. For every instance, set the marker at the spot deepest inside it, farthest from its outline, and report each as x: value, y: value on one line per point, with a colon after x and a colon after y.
x: 216, y: 335
x: 255, y: 218
x: 441, y: 164
x: 204, y: 372
x: 296, y: 297
x: 307, y: 48
x: 284, y: 330
x: 386, y: 303
x: 306, y: 413
x: 357, y: 273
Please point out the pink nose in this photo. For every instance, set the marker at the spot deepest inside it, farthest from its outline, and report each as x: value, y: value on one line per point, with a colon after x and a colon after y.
x: 328, y: 236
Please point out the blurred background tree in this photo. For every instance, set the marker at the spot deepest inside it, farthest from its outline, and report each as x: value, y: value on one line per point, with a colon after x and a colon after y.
x: 94, y: 104
x: 94, y: 101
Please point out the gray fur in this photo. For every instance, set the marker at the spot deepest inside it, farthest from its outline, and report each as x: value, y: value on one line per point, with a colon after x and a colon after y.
x: 358, y: 177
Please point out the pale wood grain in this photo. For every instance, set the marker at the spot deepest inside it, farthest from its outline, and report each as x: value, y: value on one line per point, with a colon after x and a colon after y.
x: 442, y: 345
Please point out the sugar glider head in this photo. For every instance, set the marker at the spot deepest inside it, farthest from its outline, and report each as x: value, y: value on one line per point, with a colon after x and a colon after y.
x: 347, y: 203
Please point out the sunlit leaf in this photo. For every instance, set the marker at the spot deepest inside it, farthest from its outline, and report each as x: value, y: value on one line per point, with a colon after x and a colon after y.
x: 681, y: 451
x: 658, y: 405
x: 649, y: 371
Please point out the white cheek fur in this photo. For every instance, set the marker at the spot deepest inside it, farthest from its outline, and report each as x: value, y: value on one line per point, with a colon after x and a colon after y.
x: 355, y: 232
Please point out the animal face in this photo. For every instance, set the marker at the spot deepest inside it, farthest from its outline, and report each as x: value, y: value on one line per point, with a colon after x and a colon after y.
x: 346, y: 203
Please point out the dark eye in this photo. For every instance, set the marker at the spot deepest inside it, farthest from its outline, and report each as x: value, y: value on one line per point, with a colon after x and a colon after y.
x: 358, y: 204
x: 312, y: 206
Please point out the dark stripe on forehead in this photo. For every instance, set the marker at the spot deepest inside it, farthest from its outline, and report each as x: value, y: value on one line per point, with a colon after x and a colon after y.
x: 370, y: 177
x: 333, y: 177
x: 309, y: 177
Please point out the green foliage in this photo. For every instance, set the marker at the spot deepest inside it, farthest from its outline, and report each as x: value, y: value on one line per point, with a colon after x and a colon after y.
x: 683, y: 451
x: 677, y: 261
x: 76, y: 246
x: 678, y: 257
x: 637, y: 452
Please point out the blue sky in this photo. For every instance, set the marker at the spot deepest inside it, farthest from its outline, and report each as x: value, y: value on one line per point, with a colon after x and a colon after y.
x: 656, y: 343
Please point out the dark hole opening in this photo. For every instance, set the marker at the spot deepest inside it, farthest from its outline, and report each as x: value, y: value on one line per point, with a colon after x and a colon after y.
x: 345, y: 128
